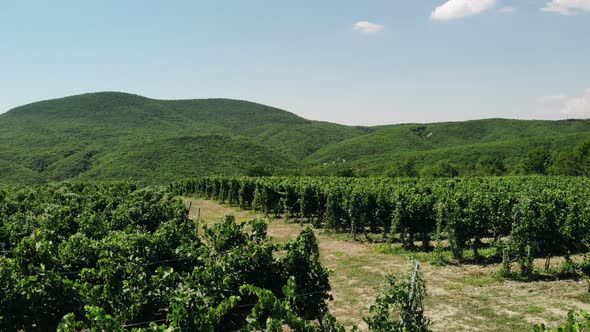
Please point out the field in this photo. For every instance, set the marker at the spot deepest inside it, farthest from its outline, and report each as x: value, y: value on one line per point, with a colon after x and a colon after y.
x: 305, y: 253
x: 118, y: 257
x: 466, y: 297
x: 519, y: 218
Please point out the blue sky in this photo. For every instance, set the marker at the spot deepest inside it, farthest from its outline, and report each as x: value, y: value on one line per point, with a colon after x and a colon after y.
x: 361, y: 62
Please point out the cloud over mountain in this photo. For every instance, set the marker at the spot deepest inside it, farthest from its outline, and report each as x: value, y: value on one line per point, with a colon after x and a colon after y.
x: 454, y: 9
x: 570, y: 106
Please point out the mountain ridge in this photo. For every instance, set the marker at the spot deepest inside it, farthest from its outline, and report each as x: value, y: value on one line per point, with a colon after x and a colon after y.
x: 116, y: 135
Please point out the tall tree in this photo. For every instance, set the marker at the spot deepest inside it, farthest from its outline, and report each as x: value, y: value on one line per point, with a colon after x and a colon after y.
x: 537, y: 161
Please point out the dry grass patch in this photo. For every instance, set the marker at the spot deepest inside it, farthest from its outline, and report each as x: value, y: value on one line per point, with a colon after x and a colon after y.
x: 213, y: 212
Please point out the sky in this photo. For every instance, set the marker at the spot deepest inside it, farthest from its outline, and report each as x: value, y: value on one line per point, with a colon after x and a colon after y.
x: 355, y: 62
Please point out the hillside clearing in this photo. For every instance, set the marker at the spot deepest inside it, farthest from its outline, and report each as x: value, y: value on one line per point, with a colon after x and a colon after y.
x: 460, y: 298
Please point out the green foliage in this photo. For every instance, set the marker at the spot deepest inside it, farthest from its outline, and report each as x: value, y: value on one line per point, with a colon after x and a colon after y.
x: 346, y: 172
x: 527, y: 217
x: 271, y: 313
x: 403, y: 168
x: 490, y: 166
x: 461, y: 143
x: 442, y: 168
x: 537, y: 161
x: 118, y: 136
x: 98, y: 320
x: 258, y: 170
x: 303, y: 262
x: 114, y: 136
x: 576, y: 322
x: 576, y: 162
x: 110, y: 257
x: 400, y: 307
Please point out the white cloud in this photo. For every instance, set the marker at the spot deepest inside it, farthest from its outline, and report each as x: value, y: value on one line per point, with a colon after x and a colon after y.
x: 507, y: 10
x: 454, y: 9
x: 552, y: 100
x: 571, y: 107
x: 567, y: 7
x: 578, y: 107
x: 368, y: 27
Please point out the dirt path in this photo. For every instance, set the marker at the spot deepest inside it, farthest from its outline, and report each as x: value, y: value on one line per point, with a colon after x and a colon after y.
x: 460, y: 298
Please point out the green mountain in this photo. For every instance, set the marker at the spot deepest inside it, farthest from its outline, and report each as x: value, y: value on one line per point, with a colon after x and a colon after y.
x: 111, y: 135
x: 463, y: 143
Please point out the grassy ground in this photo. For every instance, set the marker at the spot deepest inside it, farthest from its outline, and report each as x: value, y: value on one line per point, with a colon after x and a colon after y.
x: 460, y: 297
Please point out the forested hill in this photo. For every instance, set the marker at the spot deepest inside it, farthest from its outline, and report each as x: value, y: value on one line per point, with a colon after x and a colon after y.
x: 112, y: 135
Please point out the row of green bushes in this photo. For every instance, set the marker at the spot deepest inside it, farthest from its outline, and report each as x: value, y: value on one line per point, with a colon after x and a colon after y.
x: 529, y: 216
x: 114, y: 256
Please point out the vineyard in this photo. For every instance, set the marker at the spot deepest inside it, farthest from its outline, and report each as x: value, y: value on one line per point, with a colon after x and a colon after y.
x: 115, y: 257
x: 522, y: 217
x: 120, y: 257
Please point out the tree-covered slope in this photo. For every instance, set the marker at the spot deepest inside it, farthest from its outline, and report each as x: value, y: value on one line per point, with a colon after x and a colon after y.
x: 187, y: 156
x: 463, y: 143
x: 112, y: 135
x: 116, y: 135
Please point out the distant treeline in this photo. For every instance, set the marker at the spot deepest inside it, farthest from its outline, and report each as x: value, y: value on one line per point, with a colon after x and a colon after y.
x: 538, y: 161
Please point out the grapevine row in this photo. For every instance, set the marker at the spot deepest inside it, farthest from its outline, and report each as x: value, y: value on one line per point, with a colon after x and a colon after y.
x: 115, y: 257
x: 539, y: 216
